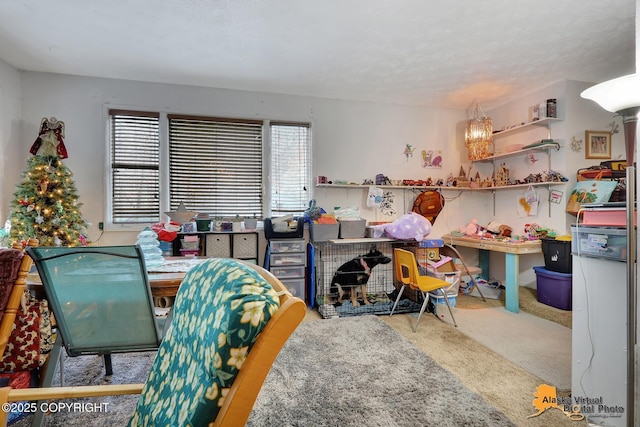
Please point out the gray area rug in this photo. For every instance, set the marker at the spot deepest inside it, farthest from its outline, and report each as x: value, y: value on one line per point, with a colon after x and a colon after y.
x: 89, y: 370
x: 338, y: 372
x: 358, y: 371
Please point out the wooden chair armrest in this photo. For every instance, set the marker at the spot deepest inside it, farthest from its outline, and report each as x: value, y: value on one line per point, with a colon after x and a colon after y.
x: 8, y: 394
x: 46, y: 393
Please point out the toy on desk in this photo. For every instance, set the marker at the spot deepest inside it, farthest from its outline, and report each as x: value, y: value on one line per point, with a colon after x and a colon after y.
x: 471, y: 229
x: 474, y: 229
x: 499, y: 229
x: 494, y: 229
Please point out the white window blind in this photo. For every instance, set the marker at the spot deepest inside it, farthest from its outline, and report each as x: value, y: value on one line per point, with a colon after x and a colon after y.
x: 215, y: 165
x: 135, y: 164
x: 290, y: 168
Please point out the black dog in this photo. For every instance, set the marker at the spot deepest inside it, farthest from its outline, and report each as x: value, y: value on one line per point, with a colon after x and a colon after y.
x: 356, y: 273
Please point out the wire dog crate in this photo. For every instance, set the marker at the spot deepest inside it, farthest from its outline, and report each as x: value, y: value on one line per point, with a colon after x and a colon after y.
x: 340, y: 268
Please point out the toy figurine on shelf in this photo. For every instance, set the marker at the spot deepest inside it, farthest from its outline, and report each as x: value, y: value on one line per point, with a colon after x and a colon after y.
x: 462, y: 180
x: 502, y: 177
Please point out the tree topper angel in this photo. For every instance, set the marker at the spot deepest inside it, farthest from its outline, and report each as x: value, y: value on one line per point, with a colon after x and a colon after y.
x: 50, y: 139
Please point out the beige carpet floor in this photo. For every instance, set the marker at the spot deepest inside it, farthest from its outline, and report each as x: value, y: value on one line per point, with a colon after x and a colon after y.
x: 538, y: 345
x: 503, y: 383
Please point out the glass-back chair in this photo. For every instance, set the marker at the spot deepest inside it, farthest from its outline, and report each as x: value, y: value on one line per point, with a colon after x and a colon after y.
x: 228, y: 314
x: 100, y: 297
x: 101, y: 300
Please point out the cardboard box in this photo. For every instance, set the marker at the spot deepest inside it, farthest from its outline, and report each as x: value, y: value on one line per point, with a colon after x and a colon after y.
x: 428, y: 250
x: 431, y: 243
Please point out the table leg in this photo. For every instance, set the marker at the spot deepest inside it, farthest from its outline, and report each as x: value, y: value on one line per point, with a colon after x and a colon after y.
x: 512, y: 267
x: 483, y: 263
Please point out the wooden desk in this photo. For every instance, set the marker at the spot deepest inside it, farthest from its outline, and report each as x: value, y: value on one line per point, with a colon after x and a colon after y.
x: 512, y: 252
x: 161, y: 284
x: 165, y: 284
x: 165, y: 280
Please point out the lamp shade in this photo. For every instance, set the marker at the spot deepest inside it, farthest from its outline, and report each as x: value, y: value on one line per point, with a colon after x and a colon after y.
x: 616, y: 95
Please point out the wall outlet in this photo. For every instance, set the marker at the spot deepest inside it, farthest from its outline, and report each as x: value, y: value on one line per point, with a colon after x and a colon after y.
x: 101, y: 226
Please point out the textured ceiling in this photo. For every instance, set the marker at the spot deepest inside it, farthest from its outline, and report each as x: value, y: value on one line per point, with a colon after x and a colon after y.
x: 410, y: 52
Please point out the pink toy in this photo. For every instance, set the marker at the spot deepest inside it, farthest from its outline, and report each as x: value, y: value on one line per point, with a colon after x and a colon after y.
x: 470, y: 229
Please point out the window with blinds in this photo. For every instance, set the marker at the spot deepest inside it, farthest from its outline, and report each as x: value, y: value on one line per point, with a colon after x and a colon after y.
x: 215, y: 165
x: 135, y: 167
x: 290, y: 168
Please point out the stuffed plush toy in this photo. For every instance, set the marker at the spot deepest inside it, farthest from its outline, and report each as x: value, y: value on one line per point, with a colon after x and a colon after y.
x: 408, y: 226
x: 502, y: 230
x: 470, y: 229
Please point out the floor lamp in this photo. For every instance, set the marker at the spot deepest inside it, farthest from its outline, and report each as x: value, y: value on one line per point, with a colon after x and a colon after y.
x: 622, y: 96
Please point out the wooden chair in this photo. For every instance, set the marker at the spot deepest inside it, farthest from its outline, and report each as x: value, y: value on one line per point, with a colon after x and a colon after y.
x: 15, y: 294
x: 208, y: 290
x: 408, y: 274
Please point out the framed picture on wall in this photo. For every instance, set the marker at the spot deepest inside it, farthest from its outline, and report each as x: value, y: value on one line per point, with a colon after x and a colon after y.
x: 597, y: 144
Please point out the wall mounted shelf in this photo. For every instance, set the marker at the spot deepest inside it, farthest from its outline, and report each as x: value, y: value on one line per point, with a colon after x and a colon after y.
x: 546, y: 122
x: 541, y: 147
x: 547, y: 147
x: 424, y: 188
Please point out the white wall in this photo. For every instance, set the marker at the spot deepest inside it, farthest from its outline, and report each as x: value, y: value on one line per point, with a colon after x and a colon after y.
x: 578, y: 115
x: 11, y: 153
x: 351, y: 140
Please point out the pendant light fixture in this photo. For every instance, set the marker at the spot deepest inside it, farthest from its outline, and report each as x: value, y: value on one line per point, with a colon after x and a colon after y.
x: 478, y: 135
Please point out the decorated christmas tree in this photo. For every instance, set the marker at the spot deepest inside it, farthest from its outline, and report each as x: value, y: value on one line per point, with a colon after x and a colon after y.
x: 45, y: 204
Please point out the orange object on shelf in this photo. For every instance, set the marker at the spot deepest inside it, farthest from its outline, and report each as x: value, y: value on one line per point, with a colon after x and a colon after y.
x: 327, y: 219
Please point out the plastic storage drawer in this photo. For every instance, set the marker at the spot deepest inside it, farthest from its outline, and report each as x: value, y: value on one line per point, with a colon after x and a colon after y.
x: 288, y: 272
x: 292, y: 245
x: 287, y: 259
x: 296, y: 287
x: 601, y: 242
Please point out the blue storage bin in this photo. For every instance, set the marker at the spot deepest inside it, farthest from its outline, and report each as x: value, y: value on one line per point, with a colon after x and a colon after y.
x: 554, y: 288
